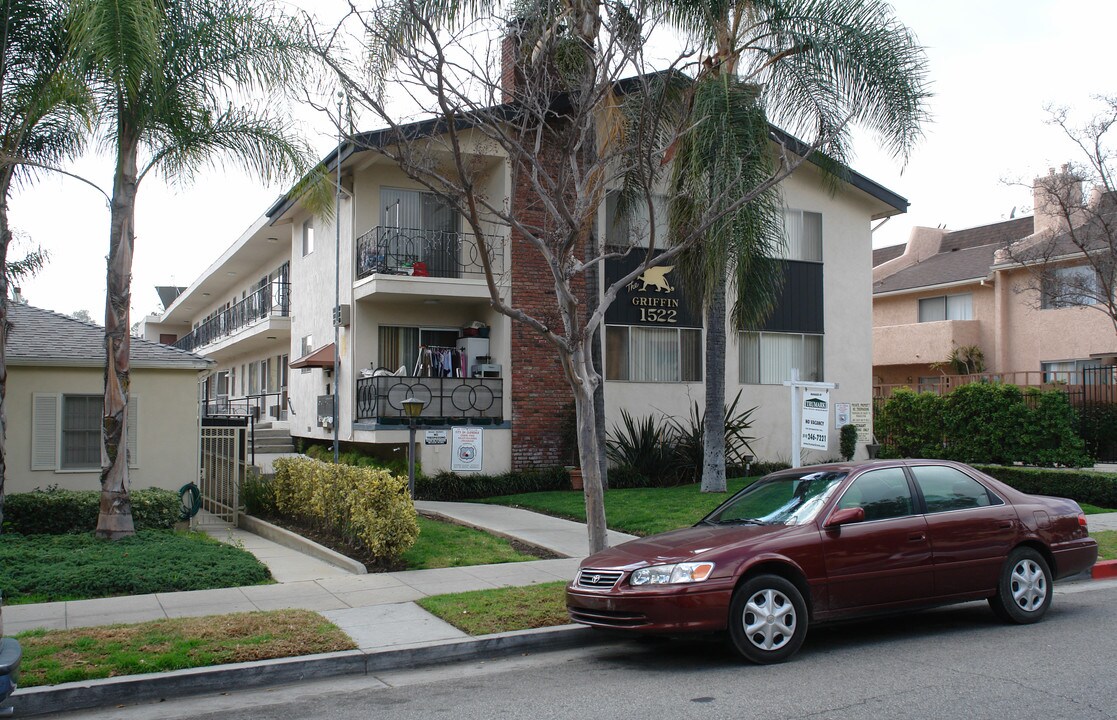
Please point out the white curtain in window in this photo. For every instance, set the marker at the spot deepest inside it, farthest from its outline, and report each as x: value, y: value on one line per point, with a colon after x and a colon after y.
x: 778, y: 354
x: 655, y: 354
x: 749, y: 351
x: 959, y: 307
x: 803, y: 231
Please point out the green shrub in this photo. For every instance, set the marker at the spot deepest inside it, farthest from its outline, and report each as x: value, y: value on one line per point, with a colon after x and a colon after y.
x: 354, y: 454
x: 1079, y: 485
x: 647, y: 446
x: 764, y: 467
x: 258, y: 495
x: 369, y: 507
x: 690, y: 440
x: 847, y: 441
x: 1097, y: 425
x: 984, y: 422
x: 910, y: 424
x: 56, y: 512
x: 448, y: 486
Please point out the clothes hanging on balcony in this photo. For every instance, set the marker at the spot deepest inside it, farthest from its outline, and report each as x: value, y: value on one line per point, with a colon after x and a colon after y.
x: 437, y: 361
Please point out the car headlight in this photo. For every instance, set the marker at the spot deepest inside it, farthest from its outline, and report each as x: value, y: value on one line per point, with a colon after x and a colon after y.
x: 689, y: 572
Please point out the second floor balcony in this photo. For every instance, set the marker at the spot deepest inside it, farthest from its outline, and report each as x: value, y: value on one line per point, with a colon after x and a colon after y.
x: 446, y: 401
x: 426, y: 253
x: 270, y: 301
x: 922, y: 343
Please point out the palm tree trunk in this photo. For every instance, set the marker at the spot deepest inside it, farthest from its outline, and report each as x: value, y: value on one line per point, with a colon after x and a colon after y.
x: 713, y: 436
x: 115, y: 518
x: 5, y: 238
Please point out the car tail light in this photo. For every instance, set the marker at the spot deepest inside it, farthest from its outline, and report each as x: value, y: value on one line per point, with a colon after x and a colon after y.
x: 1082, y: 520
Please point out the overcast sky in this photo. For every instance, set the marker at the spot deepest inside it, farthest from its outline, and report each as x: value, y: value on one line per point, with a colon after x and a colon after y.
x: 994, y: 65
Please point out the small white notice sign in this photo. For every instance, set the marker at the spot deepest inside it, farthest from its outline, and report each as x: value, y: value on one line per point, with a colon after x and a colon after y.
x: 466, y: 449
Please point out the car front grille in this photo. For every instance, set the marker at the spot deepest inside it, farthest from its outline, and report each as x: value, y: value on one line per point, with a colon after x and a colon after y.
x: 598, y: 579
x: 607, y: 618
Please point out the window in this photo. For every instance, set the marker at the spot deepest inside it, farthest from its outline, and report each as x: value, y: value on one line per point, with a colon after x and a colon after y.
x: 306, y: 345
x: 1070, y: 287
x: 636, y: 228
x: 81, y: 432
x: 883, y: 494
x: 945, y: 489
x: 308, y: 237
x: 1075, y: 372
x: 766, y: 358
x: 652, y: 354
x: 946, y: 307
x: 66, y: 431
x: 803, y: 232
x: 399, y: 346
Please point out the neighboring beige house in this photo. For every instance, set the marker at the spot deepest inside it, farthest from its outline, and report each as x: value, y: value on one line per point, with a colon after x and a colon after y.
x: 413, y: 298
x: 954, y: 290
x: 55, y: 391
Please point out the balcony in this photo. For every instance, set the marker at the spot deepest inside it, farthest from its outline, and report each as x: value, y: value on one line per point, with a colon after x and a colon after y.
x: 447, y: 401
x: 426, y: 253
x: 922, y: 343
x: 271, y: 301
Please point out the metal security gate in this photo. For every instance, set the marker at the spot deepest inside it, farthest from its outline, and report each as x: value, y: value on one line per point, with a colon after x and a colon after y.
x: 222, y: 470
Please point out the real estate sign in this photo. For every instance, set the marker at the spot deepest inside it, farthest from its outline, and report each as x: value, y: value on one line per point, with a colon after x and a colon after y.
x: 815, y: 430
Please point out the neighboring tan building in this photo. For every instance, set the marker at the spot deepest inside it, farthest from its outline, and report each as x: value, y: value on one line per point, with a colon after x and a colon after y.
x: 413, y: 298
x: 55, y: 395
x: 947, y: 291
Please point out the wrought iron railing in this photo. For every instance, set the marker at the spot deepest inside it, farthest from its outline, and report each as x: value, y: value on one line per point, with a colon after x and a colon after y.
x: 426, y: 253
x: 478, y: 401
x: 273, y: 299
x: 263, y: 406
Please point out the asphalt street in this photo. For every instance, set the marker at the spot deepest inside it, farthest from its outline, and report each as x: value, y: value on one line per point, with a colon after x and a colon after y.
x: 946, y: 663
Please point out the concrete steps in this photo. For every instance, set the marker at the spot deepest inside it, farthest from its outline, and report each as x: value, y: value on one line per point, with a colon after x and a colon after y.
x: 273, y: 438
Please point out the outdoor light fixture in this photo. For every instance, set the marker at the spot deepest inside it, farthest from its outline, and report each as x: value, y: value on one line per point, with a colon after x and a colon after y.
x: 412, y: 408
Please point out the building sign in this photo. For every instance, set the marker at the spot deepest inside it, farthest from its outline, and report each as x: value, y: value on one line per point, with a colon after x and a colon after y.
x: 841, y: 415
x: 466, y: 449
x: 861, y: 415
x: 654, y: 298
x: 435, y: 437
x: 816, y: 420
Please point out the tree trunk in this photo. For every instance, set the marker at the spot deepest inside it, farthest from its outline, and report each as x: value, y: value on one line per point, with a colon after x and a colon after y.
x: 713, y: 436
x: 5, y: 238
x: 115, y: 518
x: 592, y: 481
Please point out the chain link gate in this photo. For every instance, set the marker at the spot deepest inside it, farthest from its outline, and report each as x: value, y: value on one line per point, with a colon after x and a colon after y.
x: 222, y: 472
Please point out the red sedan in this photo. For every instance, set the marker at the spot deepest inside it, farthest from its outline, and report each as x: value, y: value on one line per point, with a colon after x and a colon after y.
x: 831, y: 542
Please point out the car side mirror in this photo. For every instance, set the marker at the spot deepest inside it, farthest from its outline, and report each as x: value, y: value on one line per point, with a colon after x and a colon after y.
x: 845, y: 516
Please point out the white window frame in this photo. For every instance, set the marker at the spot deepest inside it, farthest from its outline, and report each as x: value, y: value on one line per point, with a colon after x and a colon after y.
x: 798, y: 245
x: 958, y: 304
x: 773, y: 377
x: 308, y: 236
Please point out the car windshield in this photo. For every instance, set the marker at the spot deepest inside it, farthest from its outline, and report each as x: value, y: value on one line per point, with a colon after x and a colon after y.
x: 783, y: 500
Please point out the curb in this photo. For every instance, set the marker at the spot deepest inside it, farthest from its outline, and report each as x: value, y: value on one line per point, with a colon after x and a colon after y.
x: 131, y: 689
x: 288, y: 539
x: 1104, y: 569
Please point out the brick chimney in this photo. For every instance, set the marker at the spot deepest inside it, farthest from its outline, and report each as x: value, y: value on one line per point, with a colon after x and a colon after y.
x: 511, y: 73
x: 1057, y: 198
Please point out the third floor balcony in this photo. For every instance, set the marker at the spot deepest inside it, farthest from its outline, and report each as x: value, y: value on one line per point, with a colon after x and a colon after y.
x: 416, y: 253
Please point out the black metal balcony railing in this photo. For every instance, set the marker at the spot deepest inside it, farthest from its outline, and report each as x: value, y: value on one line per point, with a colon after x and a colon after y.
x: 426, y: 253
x: 478, y: 401
x: 274, y: 299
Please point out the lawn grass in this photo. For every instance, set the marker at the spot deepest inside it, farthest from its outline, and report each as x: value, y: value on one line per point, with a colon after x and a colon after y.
x: 1107, y: 544
x: 482, y: 612
x: 638, y: 511
x: 51, y: 568
x: 443, y: 544
x: 1094, y: 509
x: 58, y: 656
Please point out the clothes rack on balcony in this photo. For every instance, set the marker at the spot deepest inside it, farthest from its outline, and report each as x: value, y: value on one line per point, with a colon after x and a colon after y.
x: 439, y: 361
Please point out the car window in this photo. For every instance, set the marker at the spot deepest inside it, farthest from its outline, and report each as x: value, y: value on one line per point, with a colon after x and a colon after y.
x: 785, y: 499
x: 946, y: 488
x: 881, y: 493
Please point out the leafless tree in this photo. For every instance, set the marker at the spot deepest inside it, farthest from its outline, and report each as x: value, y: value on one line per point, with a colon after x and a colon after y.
x: 584, y: 115
x: 1070, y: 257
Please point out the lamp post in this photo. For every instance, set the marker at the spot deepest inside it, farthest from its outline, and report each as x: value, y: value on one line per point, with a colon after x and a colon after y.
x: 413, y: 408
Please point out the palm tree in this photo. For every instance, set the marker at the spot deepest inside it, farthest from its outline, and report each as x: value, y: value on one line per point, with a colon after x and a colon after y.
x: 815, y: 65
x: 41, y: 123
x: 168, y: 77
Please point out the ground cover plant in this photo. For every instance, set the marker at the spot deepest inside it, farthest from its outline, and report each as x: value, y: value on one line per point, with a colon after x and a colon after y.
x: 482, y: 612
x: 50, y: 568
x: 445, y: 544
x: 1107, y: 544
x: 57, y: 656
x: 639, y: 511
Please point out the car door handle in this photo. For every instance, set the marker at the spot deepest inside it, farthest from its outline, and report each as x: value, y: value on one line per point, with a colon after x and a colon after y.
x: 917, y: 537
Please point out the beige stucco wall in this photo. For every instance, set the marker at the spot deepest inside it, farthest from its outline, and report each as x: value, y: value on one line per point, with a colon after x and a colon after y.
x: 168, y: 426
x: 847, y: 353
x: 1032, y: 336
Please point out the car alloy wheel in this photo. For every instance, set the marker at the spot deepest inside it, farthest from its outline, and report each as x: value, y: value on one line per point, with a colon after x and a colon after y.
x: 1024, y: 589
x: 768, y: 619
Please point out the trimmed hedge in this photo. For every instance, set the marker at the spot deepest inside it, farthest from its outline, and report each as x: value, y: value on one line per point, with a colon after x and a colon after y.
x: 1079, y: 485
x: 448, y: 486
x: 58, y: 512
x: 369, y: 507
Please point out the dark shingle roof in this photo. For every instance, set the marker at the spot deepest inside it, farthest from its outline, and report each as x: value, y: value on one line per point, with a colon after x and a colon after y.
x: 884, y: 254
x: 42, y: 337
x: 963, y: 255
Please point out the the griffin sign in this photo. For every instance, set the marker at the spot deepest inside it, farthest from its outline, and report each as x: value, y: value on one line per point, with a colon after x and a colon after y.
x: 653, y: 298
